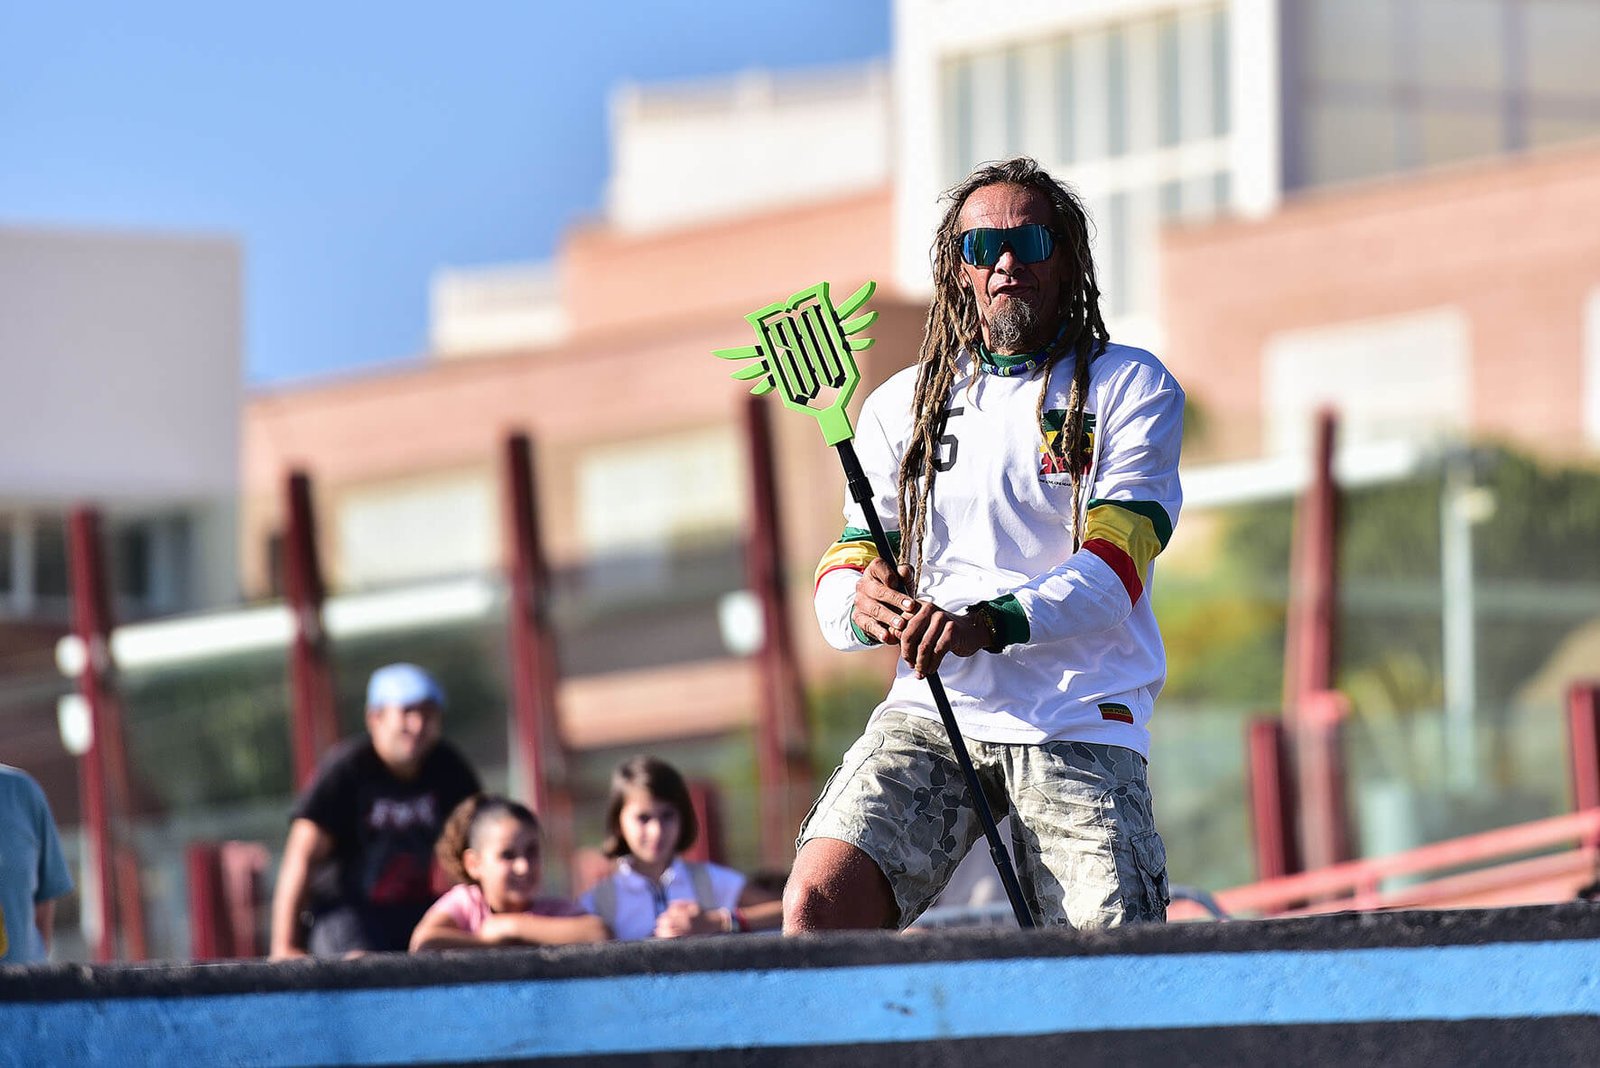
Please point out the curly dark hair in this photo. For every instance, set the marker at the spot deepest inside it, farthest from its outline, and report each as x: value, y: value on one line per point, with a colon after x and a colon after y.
x: 953, y: 327
x: 663, y: 783
x: 464, y: 829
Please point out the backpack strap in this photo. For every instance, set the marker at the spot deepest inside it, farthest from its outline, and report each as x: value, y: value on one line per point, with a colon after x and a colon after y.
x: 700, y: 876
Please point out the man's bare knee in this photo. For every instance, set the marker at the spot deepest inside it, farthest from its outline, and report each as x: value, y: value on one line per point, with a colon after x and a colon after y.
x: 835, y: 886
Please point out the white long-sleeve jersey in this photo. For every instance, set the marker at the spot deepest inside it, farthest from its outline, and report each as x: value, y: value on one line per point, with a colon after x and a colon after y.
x: 1084, y: 659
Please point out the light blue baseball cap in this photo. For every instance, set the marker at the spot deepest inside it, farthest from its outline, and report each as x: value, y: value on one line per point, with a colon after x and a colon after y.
x: 402, y: 684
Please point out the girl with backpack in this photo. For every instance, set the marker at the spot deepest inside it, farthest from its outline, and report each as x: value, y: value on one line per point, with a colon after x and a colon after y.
x: 654, y: 892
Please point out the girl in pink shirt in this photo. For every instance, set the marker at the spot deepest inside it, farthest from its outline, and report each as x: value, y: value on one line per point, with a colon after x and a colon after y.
x: 490, y: 846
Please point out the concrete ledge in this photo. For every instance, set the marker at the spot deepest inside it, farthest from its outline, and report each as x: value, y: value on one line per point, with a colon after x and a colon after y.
x: 1447, y: 985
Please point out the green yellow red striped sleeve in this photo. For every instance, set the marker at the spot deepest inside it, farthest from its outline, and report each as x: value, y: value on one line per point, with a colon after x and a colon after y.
x: 853, y: 550
x: 1127, y: 535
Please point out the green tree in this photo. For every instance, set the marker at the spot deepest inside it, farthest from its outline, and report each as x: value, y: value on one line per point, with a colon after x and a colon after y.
x: 1534, y: 562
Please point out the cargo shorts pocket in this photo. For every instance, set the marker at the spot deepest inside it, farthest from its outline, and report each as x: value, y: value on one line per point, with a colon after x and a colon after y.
x: 1150, y: 857
x: 824, y: 807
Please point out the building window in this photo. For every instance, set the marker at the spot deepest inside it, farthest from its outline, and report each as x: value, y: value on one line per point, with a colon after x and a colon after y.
x: 1422, y: 359
x: 1065, y: 102
x: 1348, y: 140
x: 1386, y: 85
x: 643, y: 504
x: 1113, y: 253
x: 1200, y: 197
x: 1221, y: 103
x: 1221, y: 192
x: 958, y: 106
x: 1558, y: 129
x: 427, y: 528
x: 1448, y: 134
x: 1109, y: 92
x: 989, y: 89
x: 1090, y: 115
x: 7, y: 581
x: 1171, y: 201
x: 1459, y: 45
x: 1116, y: 92
x: 1169, y: 98
x: 50, y: 559
x: 131, y: 560
x: 1131, y: 112
x: 1015, y: 101
x: 1563, y: 36
x: 277, y: 564
x: 1347, y: 42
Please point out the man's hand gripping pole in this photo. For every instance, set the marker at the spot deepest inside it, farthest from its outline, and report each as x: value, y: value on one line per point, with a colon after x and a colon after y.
x: 807, y: 353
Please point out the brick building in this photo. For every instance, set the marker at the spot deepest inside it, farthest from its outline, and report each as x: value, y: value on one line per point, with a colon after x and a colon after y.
x: 1464, y: 301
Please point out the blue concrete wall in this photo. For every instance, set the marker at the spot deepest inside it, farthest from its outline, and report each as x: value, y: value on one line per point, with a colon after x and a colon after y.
x: 1438, y: 982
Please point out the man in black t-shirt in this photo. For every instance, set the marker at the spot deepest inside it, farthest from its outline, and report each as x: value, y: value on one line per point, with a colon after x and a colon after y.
x: 359, y: 857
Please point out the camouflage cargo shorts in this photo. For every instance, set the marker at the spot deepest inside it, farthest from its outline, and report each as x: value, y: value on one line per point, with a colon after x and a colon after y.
x: 1082, y: 830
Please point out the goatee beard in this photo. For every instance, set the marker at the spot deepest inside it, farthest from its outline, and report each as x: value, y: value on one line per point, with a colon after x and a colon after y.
x: 1013, y: 326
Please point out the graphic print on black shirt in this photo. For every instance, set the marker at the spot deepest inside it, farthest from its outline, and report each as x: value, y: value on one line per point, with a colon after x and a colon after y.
x: 383, y: 827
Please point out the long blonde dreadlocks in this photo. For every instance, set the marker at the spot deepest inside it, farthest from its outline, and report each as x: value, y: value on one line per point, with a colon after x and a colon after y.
x: 953, y: 327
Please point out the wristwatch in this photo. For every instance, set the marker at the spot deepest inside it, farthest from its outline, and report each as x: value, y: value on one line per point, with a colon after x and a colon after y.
x: 983, y: 614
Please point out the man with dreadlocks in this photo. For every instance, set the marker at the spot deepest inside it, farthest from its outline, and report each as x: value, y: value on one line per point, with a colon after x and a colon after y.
x: 1027, y: 469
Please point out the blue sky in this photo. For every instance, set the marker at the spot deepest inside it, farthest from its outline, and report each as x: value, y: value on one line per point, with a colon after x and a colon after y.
x: 354, y: 147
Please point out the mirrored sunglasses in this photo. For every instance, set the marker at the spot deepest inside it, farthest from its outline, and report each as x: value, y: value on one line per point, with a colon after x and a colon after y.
x: 1032, y: 243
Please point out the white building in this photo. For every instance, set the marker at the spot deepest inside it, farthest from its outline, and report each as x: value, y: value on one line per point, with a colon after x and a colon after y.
x: 1163, y: 111
x: 122, y: 360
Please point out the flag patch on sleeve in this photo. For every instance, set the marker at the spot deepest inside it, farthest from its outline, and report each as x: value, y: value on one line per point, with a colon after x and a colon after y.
x: 1120, y: 713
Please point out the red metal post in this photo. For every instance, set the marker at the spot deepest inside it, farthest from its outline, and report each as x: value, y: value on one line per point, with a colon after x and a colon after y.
x: 205, y: 900
x: 782, y: 737
x: 1583, y: 743
x: 97, y: 851
x: 1322, y: 778
x: 1272, y: 800
x: 540, y: 753
x: 243, y: 867
x: 314, y: 724
x: 1313, y: 580
x: 706, y: 800
x: 225, y: 899
x: 130, y: 901
x: 107, y: 796
x: 1583, y: 739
